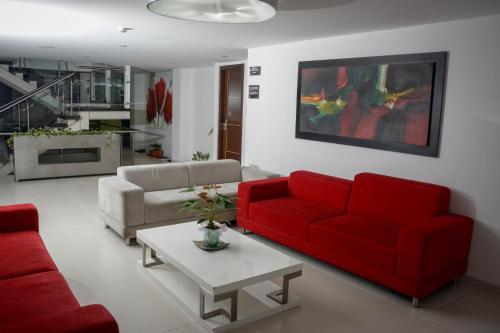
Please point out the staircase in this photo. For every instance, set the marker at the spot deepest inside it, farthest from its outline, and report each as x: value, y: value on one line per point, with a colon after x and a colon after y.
x: 36, y: 108
x: 17, y: 82
x: 57, y: 98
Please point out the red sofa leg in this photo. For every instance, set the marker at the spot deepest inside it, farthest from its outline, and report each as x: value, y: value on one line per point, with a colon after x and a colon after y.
x: 415, y: 302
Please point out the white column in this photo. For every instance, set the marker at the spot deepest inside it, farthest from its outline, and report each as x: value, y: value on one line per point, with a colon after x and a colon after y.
x: 182, y: 119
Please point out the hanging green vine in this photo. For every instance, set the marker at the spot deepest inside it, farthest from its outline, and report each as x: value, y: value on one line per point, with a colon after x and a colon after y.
x: 48, y: 132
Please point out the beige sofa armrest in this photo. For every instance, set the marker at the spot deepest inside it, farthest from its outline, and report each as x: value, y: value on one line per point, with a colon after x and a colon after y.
x: 253, y: 173
x: 121, y: 200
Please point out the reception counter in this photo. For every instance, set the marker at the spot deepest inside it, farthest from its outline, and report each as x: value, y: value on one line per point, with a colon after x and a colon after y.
x: 64, y: 156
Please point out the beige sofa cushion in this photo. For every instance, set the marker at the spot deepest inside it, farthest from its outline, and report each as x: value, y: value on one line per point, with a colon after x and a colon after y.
x: 229, y: 189
x: 214, y: 172
x: 166, y: 205
x: 253, y: 173
x: 156, y: 177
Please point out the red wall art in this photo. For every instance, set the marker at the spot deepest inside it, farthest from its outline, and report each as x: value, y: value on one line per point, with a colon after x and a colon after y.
x: 159, y: 105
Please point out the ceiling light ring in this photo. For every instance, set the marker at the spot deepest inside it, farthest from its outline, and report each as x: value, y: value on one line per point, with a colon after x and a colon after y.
x: 260, y: 10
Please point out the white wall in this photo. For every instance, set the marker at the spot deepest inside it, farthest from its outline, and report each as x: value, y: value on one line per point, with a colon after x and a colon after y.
x: 202, y: 105
x: 182, y: 127
x: 469, y: 160
x: 193, y: 112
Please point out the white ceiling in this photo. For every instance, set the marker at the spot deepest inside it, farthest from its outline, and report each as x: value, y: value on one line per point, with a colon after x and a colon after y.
x: 89, y: 28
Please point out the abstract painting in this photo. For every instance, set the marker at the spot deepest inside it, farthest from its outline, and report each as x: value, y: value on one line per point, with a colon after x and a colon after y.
x: 159, y: 104
x: 388, y: 102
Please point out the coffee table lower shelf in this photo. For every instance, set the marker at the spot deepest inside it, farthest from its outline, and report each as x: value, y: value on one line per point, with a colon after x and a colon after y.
x: 253, y: 302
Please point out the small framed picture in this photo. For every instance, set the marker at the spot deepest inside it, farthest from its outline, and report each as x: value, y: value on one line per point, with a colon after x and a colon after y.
x: 255, y: 70
x: 253, y: 91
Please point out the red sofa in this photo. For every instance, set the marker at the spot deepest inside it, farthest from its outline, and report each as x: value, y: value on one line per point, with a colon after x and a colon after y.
x: 34, y: 297
x: 393, y: 231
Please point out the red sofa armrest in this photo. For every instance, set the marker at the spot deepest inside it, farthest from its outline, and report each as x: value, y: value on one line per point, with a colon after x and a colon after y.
x: 256, y: 190
x: 23, y: 217
x: 432, y: 246
x: 88, y: 319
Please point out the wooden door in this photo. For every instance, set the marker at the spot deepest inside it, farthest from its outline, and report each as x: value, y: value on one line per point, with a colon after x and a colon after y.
x: 231, y: 111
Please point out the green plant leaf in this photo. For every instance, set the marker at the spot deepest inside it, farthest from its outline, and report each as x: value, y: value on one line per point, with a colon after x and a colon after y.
x: 37, y: 132
x: 228, y: 205
x: 192, y: 205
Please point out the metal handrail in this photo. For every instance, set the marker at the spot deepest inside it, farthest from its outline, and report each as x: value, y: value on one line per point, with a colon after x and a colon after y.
x: 27, y: 96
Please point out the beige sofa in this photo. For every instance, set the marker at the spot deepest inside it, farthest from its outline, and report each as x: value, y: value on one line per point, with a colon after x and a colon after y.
x: 147, y: 196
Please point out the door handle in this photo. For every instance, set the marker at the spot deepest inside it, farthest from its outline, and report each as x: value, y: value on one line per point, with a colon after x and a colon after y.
x: 224, y: 125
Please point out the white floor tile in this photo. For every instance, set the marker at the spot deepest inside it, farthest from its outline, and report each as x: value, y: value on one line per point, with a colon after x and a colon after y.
x: 483, y: 299
x: 143, y: 300
x: 463, y: 319
x: 101, y: 269
x: 192, y: 328
x: 423, y: 325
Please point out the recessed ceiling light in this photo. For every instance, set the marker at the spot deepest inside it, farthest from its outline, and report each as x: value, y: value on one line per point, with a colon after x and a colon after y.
x: 124, y: 29
x: 216, y: 11
x: 46, y: 47
x: 28, y: 19
x: 124, y: 45
x: 224, y: 56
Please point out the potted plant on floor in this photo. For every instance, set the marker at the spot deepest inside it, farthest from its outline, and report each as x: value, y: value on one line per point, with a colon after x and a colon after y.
x: 207, y: 202
x: 200, y: 156
x: 155, y: 150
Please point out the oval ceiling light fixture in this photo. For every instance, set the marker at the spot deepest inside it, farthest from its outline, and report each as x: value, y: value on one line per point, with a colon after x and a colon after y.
x: 28, y: 19
x: 216, y: 11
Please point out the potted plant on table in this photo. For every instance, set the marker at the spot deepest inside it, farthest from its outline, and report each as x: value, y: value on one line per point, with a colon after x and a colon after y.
x: 207, y: 202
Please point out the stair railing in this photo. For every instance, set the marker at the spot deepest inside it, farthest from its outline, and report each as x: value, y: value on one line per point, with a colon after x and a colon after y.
x: 67, y: 94
x: 35, y: 92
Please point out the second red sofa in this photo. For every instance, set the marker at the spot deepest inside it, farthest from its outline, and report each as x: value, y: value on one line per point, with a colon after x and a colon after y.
x: 394, y: 231
x: 34, y: 296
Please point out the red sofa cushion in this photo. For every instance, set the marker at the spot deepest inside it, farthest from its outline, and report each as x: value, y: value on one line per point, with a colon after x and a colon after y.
x: 364, y: 239
x: 34, y: 295
x: 23, y: 253
x: 328, y: 191
x: 20, y: 217
x: 397, y: 200
x: 289, y: 215
x: 87, y: 319
x: 262, y: 189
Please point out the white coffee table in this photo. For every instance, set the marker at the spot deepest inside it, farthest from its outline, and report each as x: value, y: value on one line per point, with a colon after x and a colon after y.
x: 223, y: 289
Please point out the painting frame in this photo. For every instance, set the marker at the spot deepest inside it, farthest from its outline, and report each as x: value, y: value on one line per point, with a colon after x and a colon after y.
x: 431, y: 149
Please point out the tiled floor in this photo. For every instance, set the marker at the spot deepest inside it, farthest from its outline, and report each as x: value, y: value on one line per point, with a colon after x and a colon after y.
x: 101, y: 269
